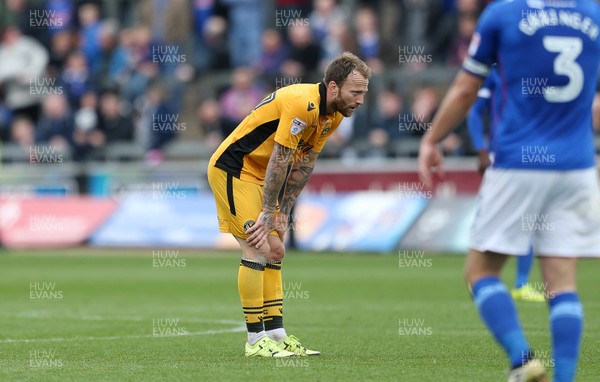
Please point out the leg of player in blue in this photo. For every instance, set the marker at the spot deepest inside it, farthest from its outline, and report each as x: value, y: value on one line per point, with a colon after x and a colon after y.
x: 523, y: 291
x: 566, y: 315
x: 495, y: 305
x: 498, y: 312
x: 524, y: 264
x: 566, y: 323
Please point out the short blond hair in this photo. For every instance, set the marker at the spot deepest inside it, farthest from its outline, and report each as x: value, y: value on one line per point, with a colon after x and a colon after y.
x: 344, y: 64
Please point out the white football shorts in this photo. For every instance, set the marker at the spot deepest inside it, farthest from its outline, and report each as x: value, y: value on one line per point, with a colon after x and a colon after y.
x: 557, y: 211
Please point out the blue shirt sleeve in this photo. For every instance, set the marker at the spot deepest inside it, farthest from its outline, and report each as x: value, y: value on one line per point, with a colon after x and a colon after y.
x: 482, y: 49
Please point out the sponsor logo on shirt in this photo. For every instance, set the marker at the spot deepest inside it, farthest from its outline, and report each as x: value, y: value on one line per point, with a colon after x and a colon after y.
x: 297, y: 126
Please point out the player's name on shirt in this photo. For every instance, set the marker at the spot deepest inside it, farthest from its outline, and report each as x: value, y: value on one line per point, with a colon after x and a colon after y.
x: 535, y: 19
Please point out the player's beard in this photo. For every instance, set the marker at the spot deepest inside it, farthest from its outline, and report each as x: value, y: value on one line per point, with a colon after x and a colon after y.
x: 342, y: 107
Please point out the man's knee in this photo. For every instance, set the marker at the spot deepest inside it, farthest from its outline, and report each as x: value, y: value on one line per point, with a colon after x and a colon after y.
x: 260, y: 255
x: 479, y: 265
x: 277, y: 252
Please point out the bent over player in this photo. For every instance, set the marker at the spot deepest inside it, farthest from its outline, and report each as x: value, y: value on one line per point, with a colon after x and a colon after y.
x: 250, y: 169
x: 542, y: 188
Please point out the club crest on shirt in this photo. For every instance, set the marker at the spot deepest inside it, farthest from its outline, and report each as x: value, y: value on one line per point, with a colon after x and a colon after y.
x: 297, y: 126
x: 248, y: 224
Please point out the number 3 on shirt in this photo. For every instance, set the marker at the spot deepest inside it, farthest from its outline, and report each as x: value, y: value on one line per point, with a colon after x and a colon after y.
x: 568, y: 49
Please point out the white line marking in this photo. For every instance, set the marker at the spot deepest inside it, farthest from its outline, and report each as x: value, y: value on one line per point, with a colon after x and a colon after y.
x: 37, y: 315
x: 203, y: 333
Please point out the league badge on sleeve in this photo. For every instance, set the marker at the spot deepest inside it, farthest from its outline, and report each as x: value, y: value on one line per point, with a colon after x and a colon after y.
x: 297, y: 126
x: 474, y: 44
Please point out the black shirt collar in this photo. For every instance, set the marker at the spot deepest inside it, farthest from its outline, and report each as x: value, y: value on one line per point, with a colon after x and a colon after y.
x: 323, y: 102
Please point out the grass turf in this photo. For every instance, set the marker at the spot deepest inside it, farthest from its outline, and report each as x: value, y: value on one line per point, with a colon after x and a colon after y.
x: 102, y: 315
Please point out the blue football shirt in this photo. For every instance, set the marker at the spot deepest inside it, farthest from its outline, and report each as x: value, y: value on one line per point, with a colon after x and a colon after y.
x: 548, y: 54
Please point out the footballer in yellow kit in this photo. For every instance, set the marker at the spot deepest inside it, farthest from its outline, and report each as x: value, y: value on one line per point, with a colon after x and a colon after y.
x: 273, y: 149
x: 300, y: 111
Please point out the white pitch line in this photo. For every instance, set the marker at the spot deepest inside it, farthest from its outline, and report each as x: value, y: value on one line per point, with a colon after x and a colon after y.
x: 203, y: 333
x: 123, y: 318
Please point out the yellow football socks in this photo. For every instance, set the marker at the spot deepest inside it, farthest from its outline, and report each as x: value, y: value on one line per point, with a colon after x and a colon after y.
x: 250, y: 288
x: 273, y: 297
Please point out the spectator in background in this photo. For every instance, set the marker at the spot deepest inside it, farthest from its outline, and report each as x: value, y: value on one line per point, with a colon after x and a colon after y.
x: 305, y: 54
x: 90, y: 28
x: 112, y: 58
x: 415, y: 22
x: 209, y: 117
x: 237, y: 101
x: 151, y: 132
x: 446, y: 30
x: 23, y: 61
x: 339, y: 39
x: 61, y: 15
x: 140, y: 71
x: 424, y: 106
x: 169, y: 21
x: 17, y: 14
x: 213, y: 53
x: 61, y: 46
x: 460, y: 42
x: 115, y: 126
x: 203, y: 11
x: 378, y: 145
x: 76, y: 78
x: 55, y: 128
x: 5, y: 121
x: 274, y: 53
x: 325, y: 14
x: 22, y: 133
x: 85, y: 135
x: 367, y: 37
x: 391, y: 115
x: 122, y: 62
x: 246, y: 23
x: 86, y: 117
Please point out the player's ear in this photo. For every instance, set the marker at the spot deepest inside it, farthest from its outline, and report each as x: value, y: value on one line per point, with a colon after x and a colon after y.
x: 333, y: 87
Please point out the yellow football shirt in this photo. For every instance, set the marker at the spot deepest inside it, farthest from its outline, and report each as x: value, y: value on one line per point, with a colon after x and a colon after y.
x: 294, y: 116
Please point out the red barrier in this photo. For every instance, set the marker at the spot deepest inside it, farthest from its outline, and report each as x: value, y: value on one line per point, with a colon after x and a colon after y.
x: 51, y: 222
x: 462, y: 182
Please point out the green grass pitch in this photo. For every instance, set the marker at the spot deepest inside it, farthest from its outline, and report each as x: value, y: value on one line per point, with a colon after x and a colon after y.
x: 120, y: 315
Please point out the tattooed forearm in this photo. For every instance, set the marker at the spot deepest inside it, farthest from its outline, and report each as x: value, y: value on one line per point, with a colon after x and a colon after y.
x: 297, y: 179
x: 275, y: 176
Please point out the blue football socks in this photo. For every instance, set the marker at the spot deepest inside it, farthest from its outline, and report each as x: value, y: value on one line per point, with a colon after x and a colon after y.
x: 497, y: 310
x: 566, y: 323
x: 524, y: 264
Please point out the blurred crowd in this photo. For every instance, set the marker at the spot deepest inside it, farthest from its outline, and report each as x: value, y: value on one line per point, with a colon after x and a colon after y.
x: 84, y: 75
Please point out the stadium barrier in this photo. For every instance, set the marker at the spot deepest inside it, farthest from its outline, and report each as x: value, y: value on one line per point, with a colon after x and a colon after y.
x: 359, y: 206
x: 49, y: 222
x: 371, y: 221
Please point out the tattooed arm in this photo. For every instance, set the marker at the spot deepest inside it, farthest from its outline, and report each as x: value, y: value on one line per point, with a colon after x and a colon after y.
x: 274, y: 178
x: 299, y: 176
x: 301, y: 171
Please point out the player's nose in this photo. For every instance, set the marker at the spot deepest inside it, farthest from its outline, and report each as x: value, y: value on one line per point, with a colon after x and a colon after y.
x: 360, y: 99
